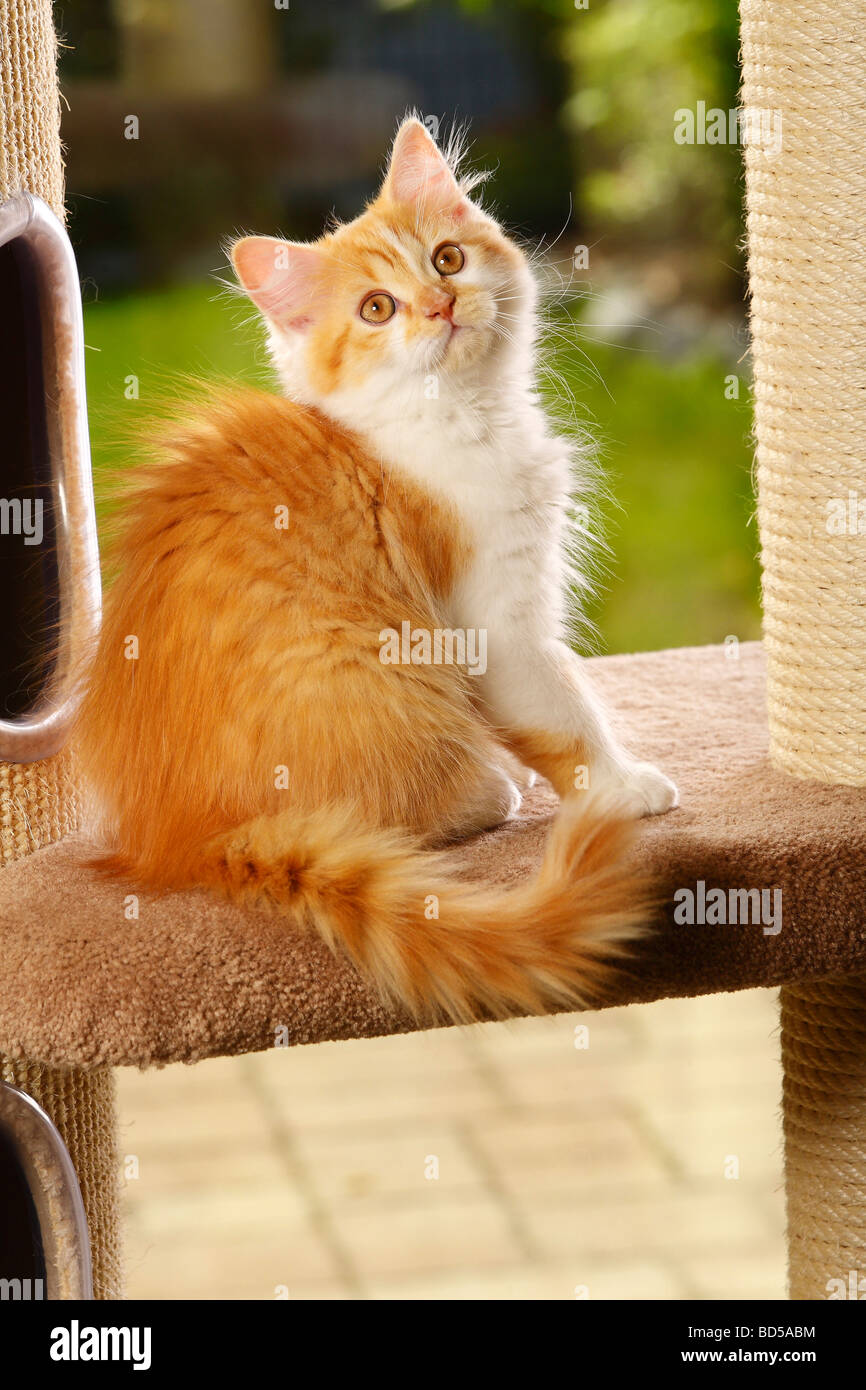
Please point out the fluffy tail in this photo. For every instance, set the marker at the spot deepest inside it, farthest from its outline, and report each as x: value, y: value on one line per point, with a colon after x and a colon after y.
x: 439, y: 947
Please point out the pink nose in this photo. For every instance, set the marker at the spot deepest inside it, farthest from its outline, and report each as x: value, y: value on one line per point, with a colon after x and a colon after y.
x: 442, y: 307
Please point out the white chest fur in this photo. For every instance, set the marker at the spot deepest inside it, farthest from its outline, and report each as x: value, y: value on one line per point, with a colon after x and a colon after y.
x: 509, y: 481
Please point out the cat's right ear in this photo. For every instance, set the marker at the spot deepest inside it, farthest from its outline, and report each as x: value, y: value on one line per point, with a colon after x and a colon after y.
x: 280, y: 277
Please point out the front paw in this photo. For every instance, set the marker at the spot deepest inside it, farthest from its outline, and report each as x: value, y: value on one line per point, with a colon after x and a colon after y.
x: 642, y: 788
x: 524, y: 778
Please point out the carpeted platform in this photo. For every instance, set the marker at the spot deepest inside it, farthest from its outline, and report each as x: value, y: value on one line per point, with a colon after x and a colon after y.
x: 192, y: 977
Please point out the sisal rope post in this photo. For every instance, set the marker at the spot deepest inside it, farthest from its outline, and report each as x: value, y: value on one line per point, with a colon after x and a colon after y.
x: 805, y: 216
x: 824, y: 1099
x: 30, y: 154
x: 39, y: 801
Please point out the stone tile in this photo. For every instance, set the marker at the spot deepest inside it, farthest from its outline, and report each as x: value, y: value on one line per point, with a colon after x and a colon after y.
x: 547, y: 1152
x: 178, y: 1084
x: 361, y: 1059
x: 177, y: 1123
x: 569, y: 1082
x: 235, y: 1163
x: 263, y: 1208
x: 559, y: 1166
x: 445, y: 1232
x: 699, y: 1082
x: 714, y: 1141
x: 741, y: 1019
x: 560, y: 1281
x: 647, y: 1221
x: 392, y: 1162
x: 758, y: 1273
x: 246, y: 1266
x: 377, y: 1098
x: 581, y: 1083
x: 608, y: 1036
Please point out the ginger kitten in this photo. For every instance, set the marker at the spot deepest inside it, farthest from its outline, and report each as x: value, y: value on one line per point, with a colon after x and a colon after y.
x: 294, y: 729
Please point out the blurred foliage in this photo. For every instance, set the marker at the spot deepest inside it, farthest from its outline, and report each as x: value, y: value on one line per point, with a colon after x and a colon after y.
x: 531, y: 154
x: 681, y: 564
x: 573, y: 109
x: 632, y: 64
x: 561, y: 101
x: 677, y: 510
x: 635, y: 63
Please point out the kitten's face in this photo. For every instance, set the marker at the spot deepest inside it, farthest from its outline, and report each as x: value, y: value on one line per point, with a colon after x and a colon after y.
x: 423, y: 284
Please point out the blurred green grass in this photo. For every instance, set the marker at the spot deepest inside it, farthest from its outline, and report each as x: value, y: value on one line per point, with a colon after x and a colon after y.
x: 681, y: 567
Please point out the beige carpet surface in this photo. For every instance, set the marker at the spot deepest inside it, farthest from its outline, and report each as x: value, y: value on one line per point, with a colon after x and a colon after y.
x: 81, y: 983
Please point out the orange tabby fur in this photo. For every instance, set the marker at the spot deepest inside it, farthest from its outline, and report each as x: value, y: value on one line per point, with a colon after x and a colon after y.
x: 258, y: 650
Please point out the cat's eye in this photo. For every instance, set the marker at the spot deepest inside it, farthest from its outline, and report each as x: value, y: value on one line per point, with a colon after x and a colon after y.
x: 377, y: 308
x: 448, y: 258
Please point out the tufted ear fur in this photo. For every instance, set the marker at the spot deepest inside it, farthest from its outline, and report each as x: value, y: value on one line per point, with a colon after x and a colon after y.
x: 418, y: 172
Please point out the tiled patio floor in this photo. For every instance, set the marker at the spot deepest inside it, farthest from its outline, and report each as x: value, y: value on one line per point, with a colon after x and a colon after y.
x: 499, y: 1162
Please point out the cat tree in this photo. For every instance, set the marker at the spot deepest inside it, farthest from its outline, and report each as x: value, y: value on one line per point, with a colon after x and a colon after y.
x: 771, y: 785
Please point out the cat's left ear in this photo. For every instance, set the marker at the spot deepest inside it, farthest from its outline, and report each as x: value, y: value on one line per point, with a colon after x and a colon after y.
x: 281, y: 277
x: 419, y: 173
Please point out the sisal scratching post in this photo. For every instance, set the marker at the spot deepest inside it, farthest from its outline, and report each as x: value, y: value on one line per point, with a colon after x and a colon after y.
x: 30, y: 157
x: 824, y: 1057
x: 808, y: 308
x: 38, y: 801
